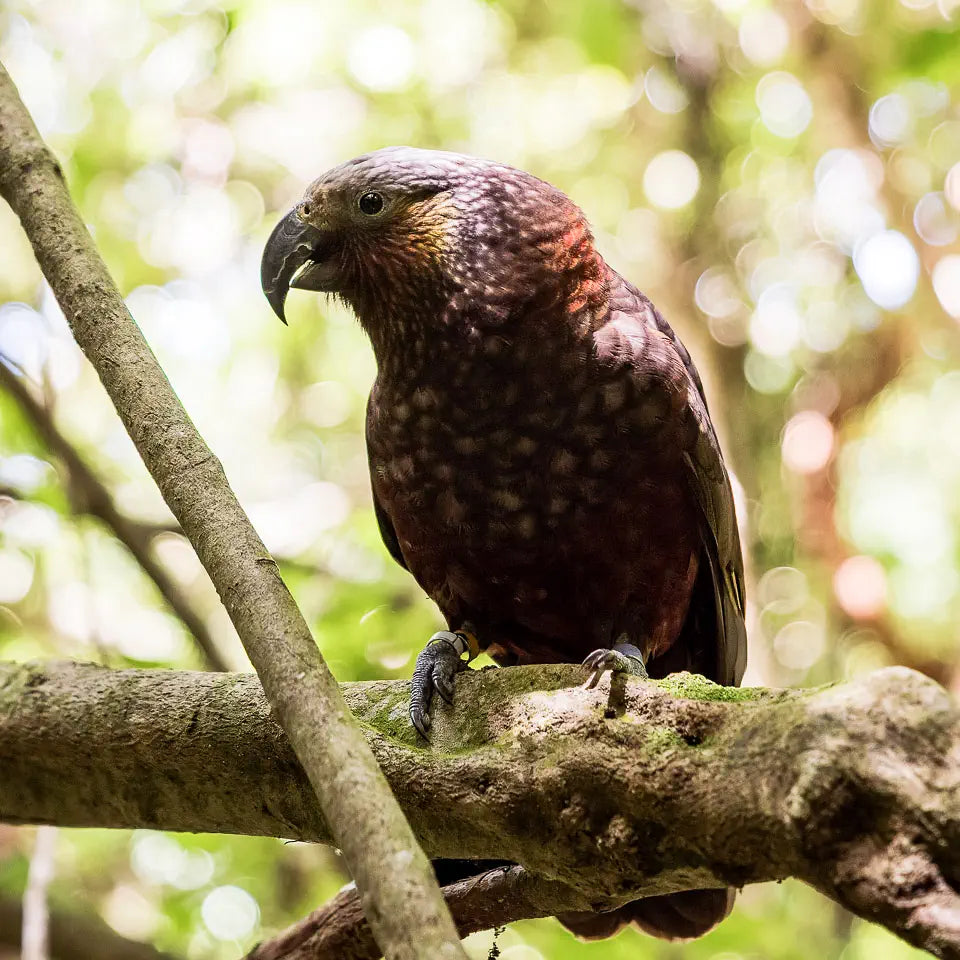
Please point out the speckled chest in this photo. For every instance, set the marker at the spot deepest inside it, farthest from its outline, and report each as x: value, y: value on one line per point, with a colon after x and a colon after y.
x: 501, y: 454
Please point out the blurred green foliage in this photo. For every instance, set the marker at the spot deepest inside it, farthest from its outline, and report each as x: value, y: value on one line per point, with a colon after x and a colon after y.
x: 782, y: 179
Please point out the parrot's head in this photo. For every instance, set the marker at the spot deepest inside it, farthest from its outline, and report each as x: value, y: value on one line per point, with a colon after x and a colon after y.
x: 404, y: 234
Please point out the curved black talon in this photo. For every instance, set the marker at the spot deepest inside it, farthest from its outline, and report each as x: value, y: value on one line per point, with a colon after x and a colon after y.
x: 615, y: 661
x: 437, y: 665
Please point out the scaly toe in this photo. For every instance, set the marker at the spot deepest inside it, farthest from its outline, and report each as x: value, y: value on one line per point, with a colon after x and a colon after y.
x: 603, y: 660
x: 437, y: 665
x: 598, y: 663
x: 421, y: 721
x: 443, y: 684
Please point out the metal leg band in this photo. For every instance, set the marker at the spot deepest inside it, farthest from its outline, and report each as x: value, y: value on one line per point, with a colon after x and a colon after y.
x: 461, y: 641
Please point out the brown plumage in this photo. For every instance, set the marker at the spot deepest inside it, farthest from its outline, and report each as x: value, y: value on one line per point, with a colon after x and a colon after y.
x: 541, y: 454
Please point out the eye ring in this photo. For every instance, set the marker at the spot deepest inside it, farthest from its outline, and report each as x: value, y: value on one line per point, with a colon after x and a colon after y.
x: 370, y: 203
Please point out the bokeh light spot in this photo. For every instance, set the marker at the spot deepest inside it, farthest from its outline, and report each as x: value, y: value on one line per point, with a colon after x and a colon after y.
x: 783, y: 589
x: 24, y: 471
x: 891, y: 120
x: 847, y: 183
x: 799, y: 645
x: 776, y: 322
x: 946, y: 283
x: 785, y: 107
x: 23, y: 338
x: 31, y: 525
x: 936, y: 222
x: 663, y: 92
x: 230, y: 913
x: 716, y: 293
x: 16, y: 575
x: 671, y: 179
x: 160, y: 859
x: 860, y: 586
x: 764, y: 37
x: 888, y: 268
x: 807, y: 442
x: 768, y: 374
x: 381, y: 58
x: 951, y: 186
x: 130, y: 913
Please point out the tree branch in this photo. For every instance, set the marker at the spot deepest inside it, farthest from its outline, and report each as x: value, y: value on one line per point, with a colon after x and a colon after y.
x: 338, y: 930
x: 88, y: 495
x: 401, y: 897
x: 610, y: 794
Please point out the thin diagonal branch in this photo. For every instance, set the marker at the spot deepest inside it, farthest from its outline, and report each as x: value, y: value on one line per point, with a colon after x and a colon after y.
x: 89, y: 495
x: 401, y: 896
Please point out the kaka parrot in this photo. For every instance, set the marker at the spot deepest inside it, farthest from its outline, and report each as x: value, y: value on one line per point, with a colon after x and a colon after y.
x: 541, y: 454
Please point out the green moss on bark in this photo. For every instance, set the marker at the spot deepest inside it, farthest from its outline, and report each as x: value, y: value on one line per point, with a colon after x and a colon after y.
x: 691, y: 686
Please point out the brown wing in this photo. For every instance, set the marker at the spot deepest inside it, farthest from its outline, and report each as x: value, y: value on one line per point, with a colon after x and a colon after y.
x: 717, y: 606
x: 387, y: 532
x: 724, y: 609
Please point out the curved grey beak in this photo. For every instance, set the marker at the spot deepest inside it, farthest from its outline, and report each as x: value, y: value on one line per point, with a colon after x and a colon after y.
x: 296, y: 255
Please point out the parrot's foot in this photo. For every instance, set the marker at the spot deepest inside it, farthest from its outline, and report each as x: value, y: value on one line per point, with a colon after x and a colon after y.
x: 437, y: 665
x: 623, y: 658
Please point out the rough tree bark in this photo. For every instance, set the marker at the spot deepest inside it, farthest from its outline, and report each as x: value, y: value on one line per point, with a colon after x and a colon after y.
x: 633, y: 789
x: 401, y: 897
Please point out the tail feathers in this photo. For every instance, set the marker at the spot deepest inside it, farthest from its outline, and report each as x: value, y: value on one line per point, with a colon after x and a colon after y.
x: 674, y: 916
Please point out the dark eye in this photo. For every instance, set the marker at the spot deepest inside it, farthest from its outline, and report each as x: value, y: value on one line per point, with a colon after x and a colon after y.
x: 370, y: 204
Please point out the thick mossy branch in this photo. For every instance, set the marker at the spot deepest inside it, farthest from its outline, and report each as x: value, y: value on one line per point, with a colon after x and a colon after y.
x: 635, y: 788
